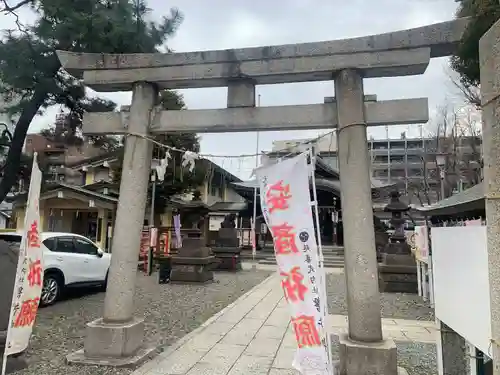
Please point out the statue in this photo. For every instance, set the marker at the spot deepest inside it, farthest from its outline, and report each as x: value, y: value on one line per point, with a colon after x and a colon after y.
x: 229, y: 221
x: 227, y: 245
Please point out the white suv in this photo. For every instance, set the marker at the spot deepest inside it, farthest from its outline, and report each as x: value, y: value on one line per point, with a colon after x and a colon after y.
x: 70, y: 261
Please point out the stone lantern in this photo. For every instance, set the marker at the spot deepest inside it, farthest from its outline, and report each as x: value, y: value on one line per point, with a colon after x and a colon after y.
x: 397, y: 241
x: 194, y: 261
x: 397, y: 270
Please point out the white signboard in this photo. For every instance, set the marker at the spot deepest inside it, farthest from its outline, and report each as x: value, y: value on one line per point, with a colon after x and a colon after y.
x: 214, y: 222
x: 29, y: 276
x: 461, y: 292
x: 286, y: 206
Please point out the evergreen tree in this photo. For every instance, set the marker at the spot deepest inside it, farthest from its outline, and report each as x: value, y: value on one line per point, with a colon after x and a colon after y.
x: 483, y: 13
x: 31, y: 78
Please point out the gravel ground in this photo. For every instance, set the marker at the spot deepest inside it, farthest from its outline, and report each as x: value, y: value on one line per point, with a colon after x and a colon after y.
x: 416, y: 357
x: 171, y: 311
x: 394, y: 305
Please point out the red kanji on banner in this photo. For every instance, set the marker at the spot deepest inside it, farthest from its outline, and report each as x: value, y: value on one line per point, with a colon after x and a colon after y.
x: 292, y: 285
x: 277, y: 196
x: 33, y: 237
x: 27, y: 313
x: 306, y: 333
x: 35, y: 273
x: 284, y: 239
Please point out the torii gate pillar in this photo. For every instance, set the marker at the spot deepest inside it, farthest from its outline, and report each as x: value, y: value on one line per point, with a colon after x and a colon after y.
x: 363, y: 350
x: 489, y: 57
x: 117, y: 338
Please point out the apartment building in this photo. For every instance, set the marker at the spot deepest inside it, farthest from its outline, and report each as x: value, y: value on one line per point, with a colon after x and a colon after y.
x: 411, y: 163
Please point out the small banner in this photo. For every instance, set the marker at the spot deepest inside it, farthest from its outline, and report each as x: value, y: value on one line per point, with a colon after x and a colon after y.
x: 177, y: 230
x: 421, y: 243
x: 286, y: 207
x: 29, y: 276
x: 474, y: 223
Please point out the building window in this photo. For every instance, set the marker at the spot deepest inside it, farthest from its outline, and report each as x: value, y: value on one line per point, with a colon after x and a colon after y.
x: 213, y: 191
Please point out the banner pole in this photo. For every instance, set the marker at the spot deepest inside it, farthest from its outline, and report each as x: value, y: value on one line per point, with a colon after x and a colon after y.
x: 321, y: 260
x: 4, y: 361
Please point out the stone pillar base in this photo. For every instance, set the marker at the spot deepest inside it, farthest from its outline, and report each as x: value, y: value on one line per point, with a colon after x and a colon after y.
x: 112, y: 344
x: 358, y: 358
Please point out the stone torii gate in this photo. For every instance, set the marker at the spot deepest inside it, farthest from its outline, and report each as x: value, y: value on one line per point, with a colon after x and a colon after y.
x: 117, y: 337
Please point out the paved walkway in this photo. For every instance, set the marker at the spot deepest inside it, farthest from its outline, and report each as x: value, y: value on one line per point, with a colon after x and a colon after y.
x: 253, y: 337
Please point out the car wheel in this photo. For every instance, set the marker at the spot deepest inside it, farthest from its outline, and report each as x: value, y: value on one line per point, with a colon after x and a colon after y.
x: 51, y: 290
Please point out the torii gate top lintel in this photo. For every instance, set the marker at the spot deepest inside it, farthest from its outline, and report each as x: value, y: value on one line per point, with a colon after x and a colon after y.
x: 405, y: 52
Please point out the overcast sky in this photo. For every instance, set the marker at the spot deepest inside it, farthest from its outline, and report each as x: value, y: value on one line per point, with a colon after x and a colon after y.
x: 221, y: 24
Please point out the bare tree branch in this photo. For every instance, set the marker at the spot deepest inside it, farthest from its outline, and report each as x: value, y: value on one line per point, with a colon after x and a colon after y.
x: 457, y: 138
x: 11, y: 9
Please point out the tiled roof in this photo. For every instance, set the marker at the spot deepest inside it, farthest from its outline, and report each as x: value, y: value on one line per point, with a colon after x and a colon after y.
x: 228, y: 206
x: 87, y: 192
x: 471, y: 195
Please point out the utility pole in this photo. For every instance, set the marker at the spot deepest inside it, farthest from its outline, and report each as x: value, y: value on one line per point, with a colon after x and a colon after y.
x: 151, y: 224
x: 388, y: 154
x: 406, y: 164
x: 255, y: 190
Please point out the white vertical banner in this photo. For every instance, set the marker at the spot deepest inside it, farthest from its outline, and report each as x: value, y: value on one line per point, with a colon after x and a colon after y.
x: 286, y: 207
x: 29, y: 275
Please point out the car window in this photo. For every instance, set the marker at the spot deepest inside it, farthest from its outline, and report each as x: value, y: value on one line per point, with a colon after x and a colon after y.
x: 65, y: 245
x: 50, y: 243
x: 85, y: 247
x: 11, y: 238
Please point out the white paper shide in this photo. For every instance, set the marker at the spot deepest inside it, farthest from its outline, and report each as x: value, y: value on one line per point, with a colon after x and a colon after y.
x: 286, y: 206
x: 29, y: 276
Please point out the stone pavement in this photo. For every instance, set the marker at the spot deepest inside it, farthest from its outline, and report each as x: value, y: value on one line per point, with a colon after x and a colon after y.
x: 253, y: 336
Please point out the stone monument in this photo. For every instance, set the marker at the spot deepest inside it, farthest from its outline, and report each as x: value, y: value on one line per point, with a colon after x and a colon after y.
x: 193, y: 262
x: 397, y: 270
x: 348, y: 62
x: 227, y: 245
x: 9, y: 253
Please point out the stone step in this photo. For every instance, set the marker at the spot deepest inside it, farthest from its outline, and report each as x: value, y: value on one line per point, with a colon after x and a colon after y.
x: 267, y: 252
x: 326, y: 249
x: 272, y: 262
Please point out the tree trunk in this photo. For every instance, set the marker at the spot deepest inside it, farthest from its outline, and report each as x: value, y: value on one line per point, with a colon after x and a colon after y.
x: 13, y: 160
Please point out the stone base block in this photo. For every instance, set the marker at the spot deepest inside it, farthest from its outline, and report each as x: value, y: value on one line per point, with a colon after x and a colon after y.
x: 390, y: 282
x: 398, y: 274
x: 184, y: 273
x: 336, y: 369
x: 367, y: 358
x: 228, y: 261
x: 112, y: 344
